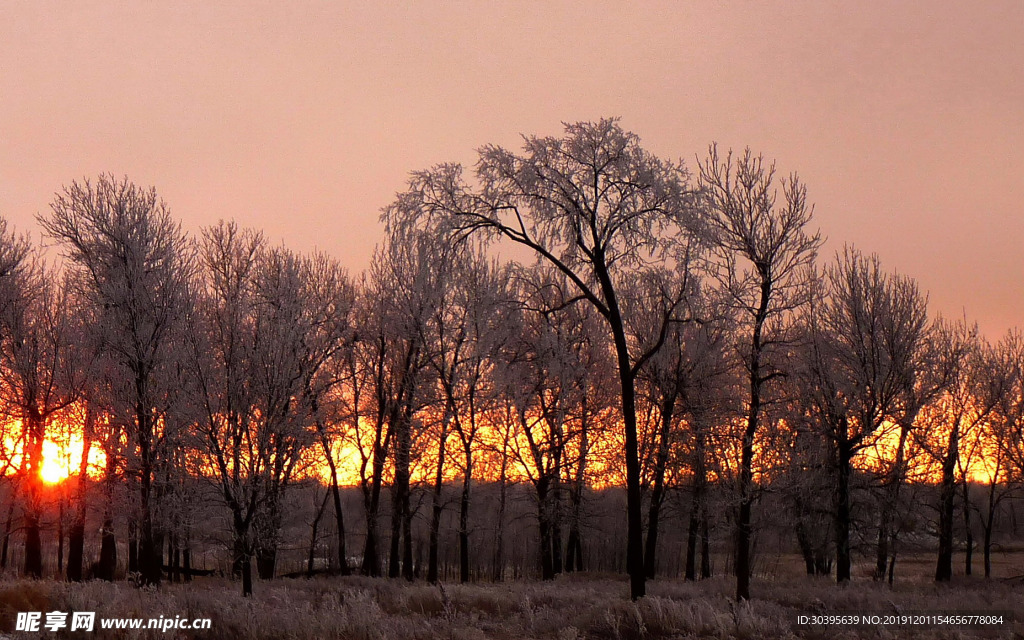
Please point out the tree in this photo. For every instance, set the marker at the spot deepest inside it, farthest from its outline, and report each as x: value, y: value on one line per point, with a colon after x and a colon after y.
x: 133, y: 263
x: 270, y: 321
x: 1000, y: 438
x: 21, y: 368
x: 463, y: 333
x: 976, y: 386
x: 927, y: 375
x: 764, y: 251
x: 548, y: 370
x: 40, y: 378
x: 601, y: 210
x: 388, y: 384
x: 864, y: 334
x: 683, y: 385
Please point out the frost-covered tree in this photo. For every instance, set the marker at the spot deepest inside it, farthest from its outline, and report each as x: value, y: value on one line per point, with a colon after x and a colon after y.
x: 40, y: 377
x: 268, y: 323
x: 463, y: 332
x: 552, y: 378
x: 864, y: 333
x: 763, y: 247
x: 602, y: 211
x: 975, y: 388
x: 133, y: 263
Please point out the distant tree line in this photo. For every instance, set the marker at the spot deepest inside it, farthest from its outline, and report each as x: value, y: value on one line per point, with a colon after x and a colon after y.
x: 578, y: 318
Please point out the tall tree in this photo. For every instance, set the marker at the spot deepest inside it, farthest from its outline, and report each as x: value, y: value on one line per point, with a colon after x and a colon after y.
x: 40, y: 377
x: 683, y: 384
x: 601, y: 210
x: 864, y: 334
x: 134, y: 264
x: 975, y: 389
x: 463, y: 333
x: 764, y: 248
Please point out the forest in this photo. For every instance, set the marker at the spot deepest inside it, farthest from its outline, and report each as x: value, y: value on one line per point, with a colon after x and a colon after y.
x: 572, y: 357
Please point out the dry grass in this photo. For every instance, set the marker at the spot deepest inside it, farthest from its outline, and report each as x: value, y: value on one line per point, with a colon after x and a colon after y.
x: 571, y: 608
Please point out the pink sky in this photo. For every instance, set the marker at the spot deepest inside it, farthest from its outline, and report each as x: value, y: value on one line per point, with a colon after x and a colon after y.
x: 905, y: 119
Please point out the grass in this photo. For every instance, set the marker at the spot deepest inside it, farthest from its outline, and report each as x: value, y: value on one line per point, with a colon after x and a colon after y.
x: 573, y: 607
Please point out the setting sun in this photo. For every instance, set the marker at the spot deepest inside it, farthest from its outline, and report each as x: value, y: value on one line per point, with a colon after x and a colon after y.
x: 60, y: 462
x: 53, y: 469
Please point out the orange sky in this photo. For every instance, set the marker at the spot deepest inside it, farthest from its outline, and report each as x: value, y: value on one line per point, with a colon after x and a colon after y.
x: 905, y: 119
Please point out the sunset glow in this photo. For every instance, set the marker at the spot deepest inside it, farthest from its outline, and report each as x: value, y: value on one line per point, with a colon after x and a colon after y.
x: 62, y: 456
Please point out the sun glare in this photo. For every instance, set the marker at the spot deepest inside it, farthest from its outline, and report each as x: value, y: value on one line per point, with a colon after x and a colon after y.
x: 52, y: 470
x: 60, y: 461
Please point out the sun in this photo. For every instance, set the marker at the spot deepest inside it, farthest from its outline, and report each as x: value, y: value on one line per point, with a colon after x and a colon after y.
x: 54, y: 469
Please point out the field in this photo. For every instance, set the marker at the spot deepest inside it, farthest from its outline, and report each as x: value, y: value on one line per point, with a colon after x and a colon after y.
x: 574, y: 607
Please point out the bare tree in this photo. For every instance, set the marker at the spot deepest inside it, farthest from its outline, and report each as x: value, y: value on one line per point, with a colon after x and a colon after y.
x: 598, y: 208
x: 683, y: 384
x: 975, y: 388
x: 463, y: 333
x: 271, y: 320
x: 864, y: 335
x: 1000, y: 439
x: 926, y: 376
x: 764, y: 249
x: 222, y: 360
x: 40, y: 378
x: 388, y: 385
x: 133, y: 263
x: 545, y: 377
x: 18, y: 275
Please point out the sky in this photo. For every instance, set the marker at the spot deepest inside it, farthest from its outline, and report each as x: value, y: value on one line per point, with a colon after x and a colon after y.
x: 303, y: 119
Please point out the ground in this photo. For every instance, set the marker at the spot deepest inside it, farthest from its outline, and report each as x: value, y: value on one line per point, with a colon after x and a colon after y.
x: 583, y: 606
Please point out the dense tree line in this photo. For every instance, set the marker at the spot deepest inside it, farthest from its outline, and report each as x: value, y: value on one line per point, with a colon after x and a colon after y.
x: 667, y: 333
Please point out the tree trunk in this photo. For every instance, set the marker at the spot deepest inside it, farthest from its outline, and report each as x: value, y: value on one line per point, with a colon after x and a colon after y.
x: 246, y: 567
x: 890, y: 502
x: 436, y: 505
x: 634, y: 499
x: 371, y: 558
x: 311, y: 559
x: 408, y: 566
x: 705, y: 543
x: 76, y: 536
x: 969, y: 534
x: 743, y: 521
x: 7, y: 531
x: 150, y: 553
x: 106, y: 569
x: 988, y: 522
x: 547, y: 571
x: 696, y: 505
x: 944, y: 565
x: 574, y: 549
x: 33, y: 547
x: 806, y: 549
x: 339, y: 516
x: 498, y: 568
x: 107, y: 566
x: 627, y: 388
x: 33, y: 509
x: 76, y: 547
x: 266, y: 561
x: 400, y: 494
x: 844, y: 454
x: 467, y: 483
x: 555, y: 522
x: 657, y: 493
